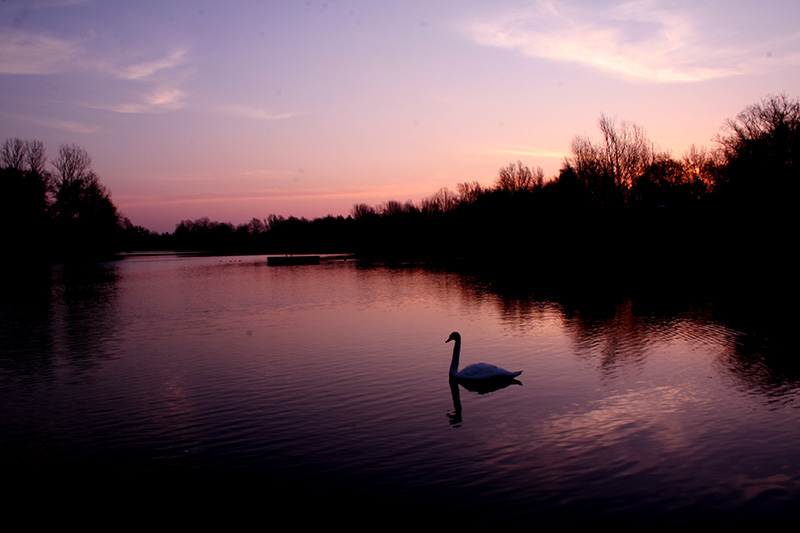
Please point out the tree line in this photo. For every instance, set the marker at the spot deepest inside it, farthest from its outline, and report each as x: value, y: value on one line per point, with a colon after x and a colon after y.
x: 59, y: 213
x: 619, y: 196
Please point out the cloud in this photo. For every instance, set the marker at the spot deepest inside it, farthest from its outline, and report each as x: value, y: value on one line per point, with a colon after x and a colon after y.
x: 255, y: 113
x: 66, y: 125
x: 532, y: 152
x: 165, y: 93
x: 276, y: 185
x: 640, y: 39
x: 145, y: 70
x: 26, y: 52
x: 157, y: 101
x: 165, y: 99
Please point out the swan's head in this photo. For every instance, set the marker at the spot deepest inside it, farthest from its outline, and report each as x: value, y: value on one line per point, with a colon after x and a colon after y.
x: 455, y: 336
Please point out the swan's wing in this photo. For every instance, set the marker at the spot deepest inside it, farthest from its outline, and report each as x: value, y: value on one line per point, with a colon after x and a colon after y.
x: 485, y: 371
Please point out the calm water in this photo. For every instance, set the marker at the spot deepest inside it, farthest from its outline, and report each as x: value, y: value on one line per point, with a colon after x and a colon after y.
x: 323, y: 390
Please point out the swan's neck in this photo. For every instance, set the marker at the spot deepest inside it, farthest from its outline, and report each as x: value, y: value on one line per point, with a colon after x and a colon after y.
x: 456, y: 355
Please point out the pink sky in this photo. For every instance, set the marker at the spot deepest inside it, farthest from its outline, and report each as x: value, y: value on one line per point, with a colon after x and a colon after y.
x: 234, y: 110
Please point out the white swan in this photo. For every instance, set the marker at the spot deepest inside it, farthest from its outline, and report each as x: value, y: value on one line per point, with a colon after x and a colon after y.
x: 478, y: 371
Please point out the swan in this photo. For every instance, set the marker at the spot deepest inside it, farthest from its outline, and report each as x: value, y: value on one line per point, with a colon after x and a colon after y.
x: 482, y: 372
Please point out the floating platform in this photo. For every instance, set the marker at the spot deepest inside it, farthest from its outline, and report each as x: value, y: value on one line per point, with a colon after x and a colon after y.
x: 286, y: 260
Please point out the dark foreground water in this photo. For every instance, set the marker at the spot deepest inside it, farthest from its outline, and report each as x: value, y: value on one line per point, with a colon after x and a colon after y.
x: 192, y: 389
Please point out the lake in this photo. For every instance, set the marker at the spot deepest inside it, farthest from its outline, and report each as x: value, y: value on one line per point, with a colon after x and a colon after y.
x: 200, y: 386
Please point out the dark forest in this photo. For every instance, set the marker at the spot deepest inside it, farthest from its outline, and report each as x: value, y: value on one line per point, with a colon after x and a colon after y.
x: 618, y: 204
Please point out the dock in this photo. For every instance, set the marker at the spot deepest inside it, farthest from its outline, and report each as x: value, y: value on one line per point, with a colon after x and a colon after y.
x: 286, y: 260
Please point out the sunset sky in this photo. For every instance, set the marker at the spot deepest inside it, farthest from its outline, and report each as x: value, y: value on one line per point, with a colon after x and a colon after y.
x: 239, y: 109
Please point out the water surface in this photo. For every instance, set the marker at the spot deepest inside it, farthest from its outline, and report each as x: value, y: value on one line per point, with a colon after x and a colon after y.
x: 325, y: 388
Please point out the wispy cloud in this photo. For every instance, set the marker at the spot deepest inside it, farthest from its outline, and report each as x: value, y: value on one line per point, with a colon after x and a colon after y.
x: 532, y: 152
x: 157, y: 101
x: 66, y: 125
x: 156, y: 85
x: 645, y: 40
x: 249, y: 196
x: 163, y: 80
x: 25, y: 52
x: 252, y: 112
x: 144, y: 70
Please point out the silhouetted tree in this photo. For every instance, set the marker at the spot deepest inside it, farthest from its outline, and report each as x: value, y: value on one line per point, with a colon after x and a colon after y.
x: 362, y: 211
x: 73, y: 165
x: 702, y: 169
x: 661, y: 184
x: 761, y: 147
x: 626, y: 151
x: 469, y: 192
x: 86, y: 220
x: 204, y: 234
x: 255, y: 226
x: 515, y: 178
x: 609, y: 170
x: 440, y: 202
x: 24, y: 215
x: 757, y: 189
x: 13, y: 153
x: 138, y: 238
x: 393, y: 207
x: 36, y: 157
x: 24, y: 204
x: 27, y: 155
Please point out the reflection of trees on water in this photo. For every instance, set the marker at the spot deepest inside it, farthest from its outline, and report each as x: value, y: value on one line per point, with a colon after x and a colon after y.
x: 752, y: 340
x: 518, y: 314
x: 518, y: 306
x: 25, y: 316
x: 605, y: 325
x: 84, y: 311
x: 55, y: 315
x: 760, y: 364
x: 618, y: 338
x: 762, y: 352
x: 619, y: 327
x: 66, y: 311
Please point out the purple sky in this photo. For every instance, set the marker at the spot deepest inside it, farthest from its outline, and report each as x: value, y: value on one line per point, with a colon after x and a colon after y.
x: 234, y: 110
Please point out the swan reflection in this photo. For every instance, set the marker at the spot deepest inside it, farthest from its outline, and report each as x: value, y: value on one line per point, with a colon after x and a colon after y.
x: 484, y: 387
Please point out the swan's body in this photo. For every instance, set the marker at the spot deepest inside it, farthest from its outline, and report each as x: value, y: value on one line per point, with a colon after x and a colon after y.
x: 478, y: 371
